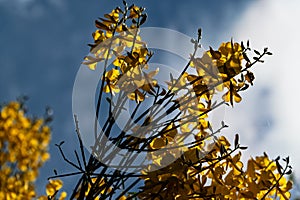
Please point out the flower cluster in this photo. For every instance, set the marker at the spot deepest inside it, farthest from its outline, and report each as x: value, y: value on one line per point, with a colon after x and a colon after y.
x: 52, y: 189
x: 23, y: 150
x: 188, y: 160
x: 111, y: 38
x: 217, y: 175
x: 106, y: 43
x: 130, y: 76
x: 216, y: 70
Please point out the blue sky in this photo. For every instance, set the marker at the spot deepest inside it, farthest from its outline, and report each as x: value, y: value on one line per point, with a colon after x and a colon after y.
x: 43, y: 43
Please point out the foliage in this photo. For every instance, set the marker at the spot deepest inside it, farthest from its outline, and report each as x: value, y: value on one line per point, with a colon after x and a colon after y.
x: 23, y: 150
x: 199, y: 169
x: 187, y: 157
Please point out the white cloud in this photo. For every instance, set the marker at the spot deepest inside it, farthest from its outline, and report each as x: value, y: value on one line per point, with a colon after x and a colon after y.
x: 272, y: 23
x: 30, y: 8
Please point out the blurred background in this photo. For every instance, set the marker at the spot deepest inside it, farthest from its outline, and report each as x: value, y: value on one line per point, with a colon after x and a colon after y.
x: 43, y: 42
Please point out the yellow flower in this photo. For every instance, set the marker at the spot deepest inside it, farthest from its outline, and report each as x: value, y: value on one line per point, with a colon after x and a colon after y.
x: 134, y: 12
x: 136, y: 96
x: 53, y: 186
x: 177, y: 84
x: 52, y: 189
x: 112, y: 77
x: 232, y: 93
x: 228, y: 59
x: 99, y: 36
